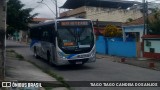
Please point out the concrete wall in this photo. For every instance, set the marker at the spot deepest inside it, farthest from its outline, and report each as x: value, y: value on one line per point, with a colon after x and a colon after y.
x: 101, y: 45
x: 110, y: 14
x: 114, y: 46
x: 154, y: 44
x: 75, y: 12
x: 103, y: 14
x: 124, y: 49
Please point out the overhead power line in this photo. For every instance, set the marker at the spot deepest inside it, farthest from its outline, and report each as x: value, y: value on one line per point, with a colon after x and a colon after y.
x: 48, y: 7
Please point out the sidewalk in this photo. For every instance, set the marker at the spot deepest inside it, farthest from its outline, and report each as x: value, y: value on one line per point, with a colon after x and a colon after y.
x: 20, y: 70
x: 140, y: 62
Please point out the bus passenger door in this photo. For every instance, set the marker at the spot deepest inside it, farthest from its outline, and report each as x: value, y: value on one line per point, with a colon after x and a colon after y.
x: 45, y: 44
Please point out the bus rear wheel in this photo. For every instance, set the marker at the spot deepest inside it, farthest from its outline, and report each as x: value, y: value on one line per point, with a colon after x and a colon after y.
x: 49, y: 58
x: 35, y: 53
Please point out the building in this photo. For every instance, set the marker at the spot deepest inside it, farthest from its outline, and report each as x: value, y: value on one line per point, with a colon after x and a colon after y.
x: 151, y: 48
x: 101, y: 10
x: 136, y: 28
x: 40, y: 20
x: 134, y: 31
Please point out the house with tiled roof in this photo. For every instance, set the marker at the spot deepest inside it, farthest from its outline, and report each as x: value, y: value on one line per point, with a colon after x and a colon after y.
x: 136, y: 28
x: 151, y: 47
x: 147, y: 45
x: 40, y: 20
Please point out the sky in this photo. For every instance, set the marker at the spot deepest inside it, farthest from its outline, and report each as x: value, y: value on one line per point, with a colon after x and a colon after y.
x: 47, y: 9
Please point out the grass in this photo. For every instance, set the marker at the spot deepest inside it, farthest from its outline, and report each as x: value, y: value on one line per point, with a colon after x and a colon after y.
x: 10, y: 51
x: 48, y: 88
x: 19, y: 56
x: 14, y: 54
x: 52, y: 74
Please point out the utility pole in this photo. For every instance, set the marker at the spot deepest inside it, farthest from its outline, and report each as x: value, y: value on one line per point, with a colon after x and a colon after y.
x: 56, y: 6
x: 56, y: 9
x: 144, y: 16
x: 147, y: 19
x: 2, y: 37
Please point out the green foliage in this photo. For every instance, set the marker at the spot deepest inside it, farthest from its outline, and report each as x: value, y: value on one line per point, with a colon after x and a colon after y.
x: 10, y: 30
x: 18, y: 17
x: 129, y: 20
x: 112, y: 31
x: 154, y: 24
x: 19, y: 56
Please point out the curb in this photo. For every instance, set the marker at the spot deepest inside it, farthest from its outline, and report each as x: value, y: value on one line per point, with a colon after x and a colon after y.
x: 139, y: 62
x: 59, y: 84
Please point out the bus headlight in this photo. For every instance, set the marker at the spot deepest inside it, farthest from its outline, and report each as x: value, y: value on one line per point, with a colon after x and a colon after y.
x: 61, y: 56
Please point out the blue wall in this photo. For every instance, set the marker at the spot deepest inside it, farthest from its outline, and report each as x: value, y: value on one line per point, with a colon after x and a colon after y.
x: 115, y: 46
x: 119, y: 48
x: 101, y: 46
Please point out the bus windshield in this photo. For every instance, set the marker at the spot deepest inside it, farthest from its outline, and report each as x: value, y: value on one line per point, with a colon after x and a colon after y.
x: 75, y: 37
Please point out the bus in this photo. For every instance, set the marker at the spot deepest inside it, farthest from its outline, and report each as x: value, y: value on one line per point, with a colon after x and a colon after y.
x: 64, y: 41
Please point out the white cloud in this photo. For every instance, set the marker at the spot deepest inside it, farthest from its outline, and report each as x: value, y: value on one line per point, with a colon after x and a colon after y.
x: 43, y: 10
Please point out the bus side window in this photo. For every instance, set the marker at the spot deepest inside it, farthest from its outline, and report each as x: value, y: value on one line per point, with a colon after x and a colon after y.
x: 52, y: 34
x: 39, y: 33
x: 34, y: 33
x: 45, y: 35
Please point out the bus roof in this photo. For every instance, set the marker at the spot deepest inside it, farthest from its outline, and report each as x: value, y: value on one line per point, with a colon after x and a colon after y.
x: 52, y: 22
x: 71, y: 18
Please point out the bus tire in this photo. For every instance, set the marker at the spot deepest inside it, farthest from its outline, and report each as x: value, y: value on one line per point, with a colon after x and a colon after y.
x: 49, y: 58
x: 35, y: 53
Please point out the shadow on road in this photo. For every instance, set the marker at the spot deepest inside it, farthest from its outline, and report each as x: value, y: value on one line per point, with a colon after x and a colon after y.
x: 15, y: 46
x: 73, y: 67
x: 65, y: 67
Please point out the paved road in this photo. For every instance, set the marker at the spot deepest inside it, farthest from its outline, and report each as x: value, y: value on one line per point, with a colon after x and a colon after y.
x: 102, y: 70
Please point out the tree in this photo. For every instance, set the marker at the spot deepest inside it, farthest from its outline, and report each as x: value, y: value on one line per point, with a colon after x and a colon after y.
x: 18, y: 17
x: 112, y: 31
x: 154, y: 24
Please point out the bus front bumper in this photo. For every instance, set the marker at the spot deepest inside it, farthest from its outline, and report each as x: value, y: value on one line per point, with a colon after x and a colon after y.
x: 63, y: 61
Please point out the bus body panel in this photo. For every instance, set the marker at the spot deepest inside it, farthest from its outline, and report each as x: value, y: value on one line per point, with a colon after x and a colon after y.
x: 58, y: 57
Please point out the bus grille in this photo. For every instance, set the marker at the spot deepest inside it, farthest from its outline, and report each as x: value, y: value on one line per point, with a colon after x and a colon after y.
x: 78, y: 60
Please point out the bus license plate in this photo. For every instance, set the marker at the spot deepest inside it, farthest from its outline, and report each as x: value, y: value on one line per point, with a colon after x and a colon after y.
x: 78, y: 62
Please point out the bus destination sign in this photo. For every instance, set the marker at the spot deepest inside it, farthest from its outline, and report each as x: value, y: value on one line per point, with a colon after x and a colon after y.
x: 74, y: 23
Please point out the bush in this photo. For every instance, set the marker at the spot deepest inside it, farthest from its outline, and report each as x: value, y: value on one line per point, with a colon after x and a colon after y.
x: 112, y: 31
